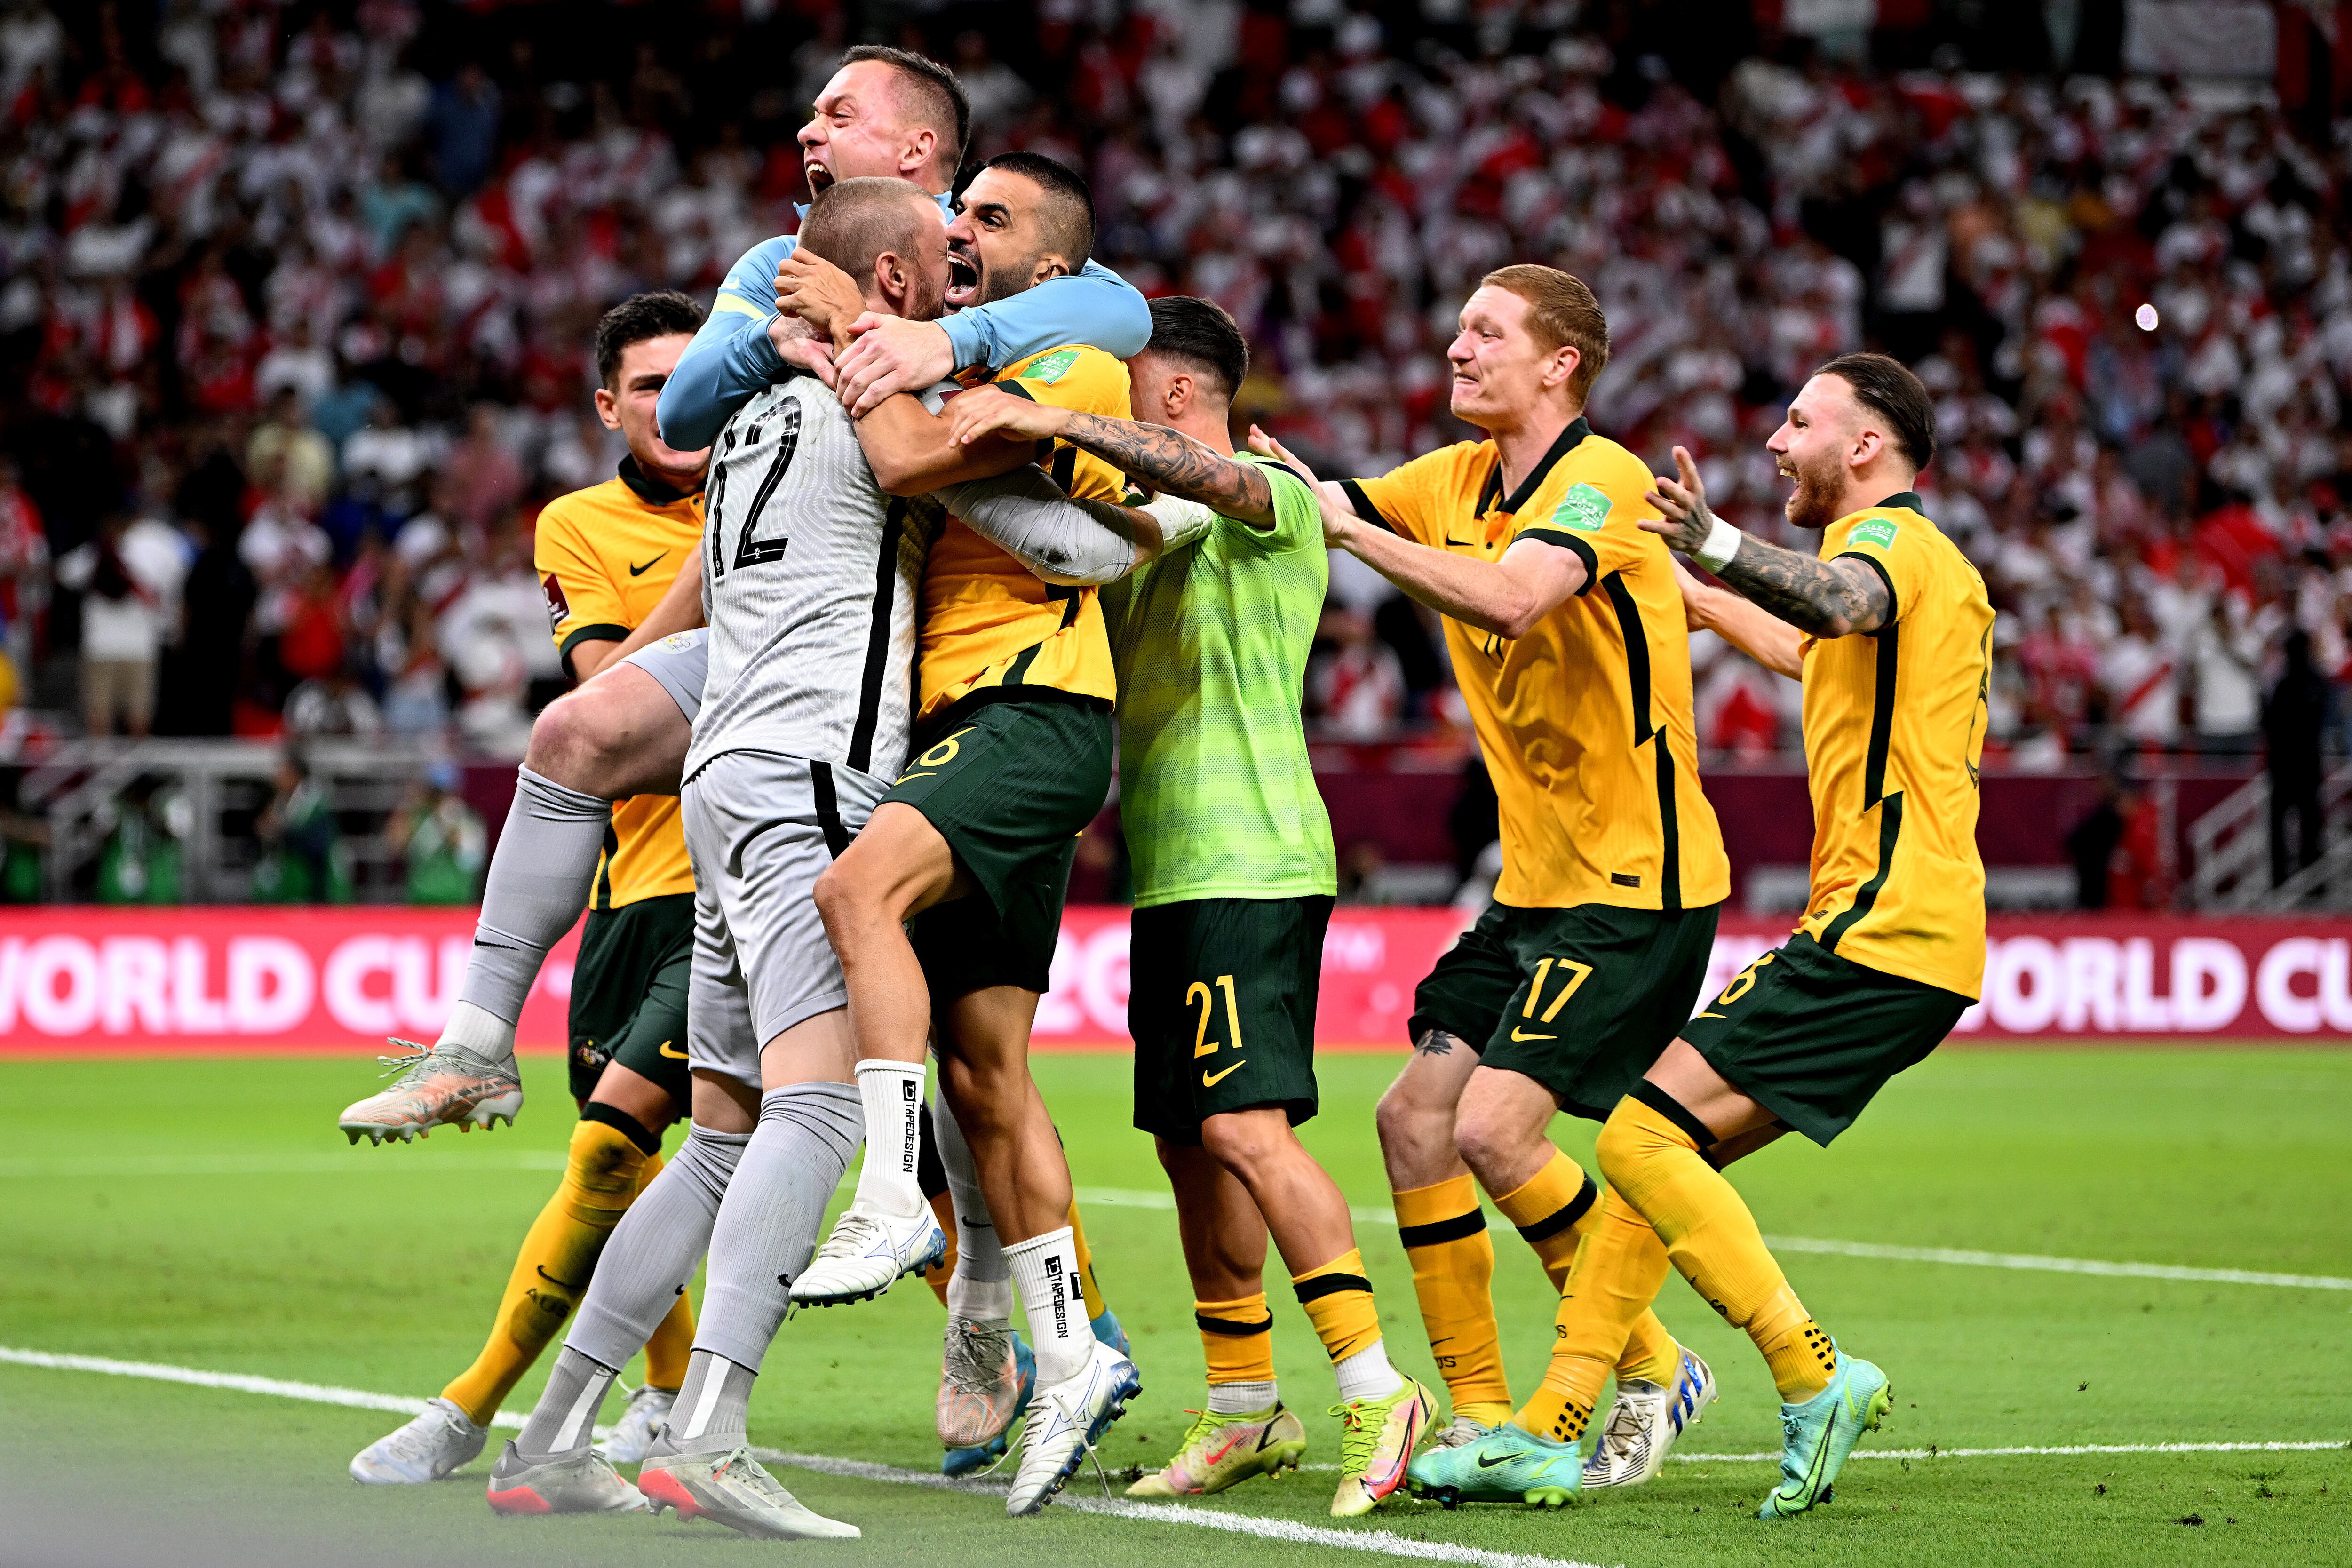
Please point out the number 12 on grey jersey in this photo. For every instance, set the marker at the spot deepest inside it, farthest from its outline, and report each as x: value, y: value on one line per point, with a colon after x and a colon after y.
x: 810, y: 580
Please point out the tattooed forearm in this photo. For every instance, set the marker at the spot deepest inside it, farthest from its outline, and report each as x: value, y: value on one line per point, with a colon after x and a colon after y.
x: 1170, y: 461
x: 1825, y: 598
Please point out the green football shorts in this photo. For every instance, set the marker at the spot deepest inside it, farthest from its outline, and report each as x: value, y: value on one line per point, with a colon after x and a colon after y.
x: 1010, y: 787
x: 1221, y: 1001
x: 628, y: 994
x: 1811, y: 1037
x: 1581, y: 1000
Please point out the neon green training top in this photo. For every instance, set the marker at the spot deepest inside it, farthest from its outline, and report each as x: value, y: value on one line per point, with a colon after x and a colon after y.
x: 1216, y: 795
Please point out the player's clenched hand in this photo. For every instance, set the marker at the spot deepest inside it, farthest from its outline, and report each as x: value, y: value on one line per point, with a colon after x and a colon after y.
x: 818, y: 292
x: 985, y: 411
x: 1686, y: 521
x: 892, y: 355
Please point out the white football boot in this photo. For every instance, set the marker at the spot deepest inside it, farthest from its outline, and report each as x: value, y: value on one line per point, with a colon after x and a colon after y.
x: 1645, y: 1421
x: 439, y: 1086
x: 1066, y: 1420
x: 866, y: 1253
x: 733, y: 1489
x: 425, y: 1449
x: 583, y: 1483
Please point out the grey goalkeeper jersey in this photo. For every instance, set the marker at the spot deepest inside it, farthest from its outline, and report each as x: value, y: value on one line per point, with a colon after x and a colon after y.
x: 809, y: 579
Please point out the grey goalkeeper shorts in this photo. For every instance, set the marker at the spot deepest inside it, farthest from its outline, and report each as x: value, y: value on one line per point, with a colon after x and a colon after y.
x: 760, y: 828
x: 678, y: 662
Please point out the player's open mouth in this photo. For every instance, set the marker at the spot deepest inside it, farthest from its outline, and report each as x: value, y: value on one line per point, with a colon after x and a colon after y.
x: 819, y: 178
x: 963, y: 279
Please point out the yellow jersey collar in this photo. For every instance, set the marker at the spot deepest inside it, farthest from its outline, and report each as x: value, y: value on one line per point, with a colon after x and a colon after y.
x: 1906, y: 500
x: 1492, y: 491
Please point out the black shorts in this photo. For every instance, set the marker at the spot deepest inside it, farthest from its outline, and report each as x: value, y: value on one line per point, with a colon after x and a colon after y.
x: 1221, y: 1001
x: 1581, y: 1000
x: 628, y: 994
x: 1811, y: 1037
x: 1010, y: 786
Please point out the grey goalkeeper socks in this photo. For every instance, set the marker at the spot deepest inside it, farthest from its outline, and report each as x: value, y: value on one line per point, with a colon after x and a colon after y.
x: 655, y: 1247
x: 768, y: 1227
x: 539, y: 880
x: 564, y: 1422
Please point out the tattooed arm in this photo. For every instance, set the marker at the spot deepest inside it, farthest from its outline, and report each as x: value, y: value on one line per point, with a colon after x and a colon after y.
x: 1823, y: 599
x: 1167, y: 460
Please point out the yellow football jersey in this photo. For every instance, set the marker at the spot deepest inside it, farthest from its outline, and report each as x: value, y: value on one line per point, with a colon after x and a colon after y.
x: 1585, y: 721
x: 988, y: 624
x: 1894, y: 731
x: 605, y: 557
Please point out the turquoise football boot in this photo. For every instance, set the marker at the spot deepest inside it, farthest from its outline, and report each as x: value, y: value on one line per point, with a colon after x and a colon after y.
x: 1507, y: 1464
x: 1818, y: 1435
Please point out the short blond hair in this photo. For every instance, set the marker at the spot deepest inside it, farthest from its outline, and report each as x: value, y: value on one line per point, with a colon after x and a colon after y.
x: 1561, y: 314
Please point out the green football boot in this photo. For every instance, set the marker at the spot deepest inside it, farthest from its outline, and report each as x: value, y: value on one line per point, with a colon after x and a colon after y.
x: 1509, y: 1463
x: 1818, y: 1435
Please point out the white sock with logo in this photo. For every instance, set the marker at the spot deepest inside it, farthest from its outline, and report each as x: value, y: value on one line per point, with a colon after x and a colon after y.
x: 1046, y: 1271
x: 892, y: 1095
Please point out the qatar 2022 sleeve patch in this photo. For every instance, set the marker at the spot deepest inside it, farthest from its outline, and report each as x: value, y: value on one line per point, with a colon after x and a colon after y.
x: 1582, y: 509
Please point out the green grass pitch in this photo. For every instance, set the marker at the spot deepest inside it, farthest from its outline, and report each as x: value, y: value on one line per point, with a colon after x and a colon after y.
x: 207, y: 1214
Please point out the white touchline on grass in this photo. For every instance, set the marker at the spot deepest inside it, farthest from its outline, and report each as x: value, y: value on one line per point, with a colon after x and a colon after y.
x: 1124, y: 1198
x: 362, y: 1399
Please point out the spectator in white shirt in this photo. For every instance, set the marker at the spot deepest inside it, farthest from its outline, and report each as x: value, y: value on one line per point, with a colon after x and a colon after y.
x: 130, y: 578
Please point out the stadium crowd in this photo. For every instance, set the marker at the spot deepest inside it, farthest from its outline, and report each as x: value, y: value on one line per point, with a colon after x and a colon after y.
x: 296, y: 298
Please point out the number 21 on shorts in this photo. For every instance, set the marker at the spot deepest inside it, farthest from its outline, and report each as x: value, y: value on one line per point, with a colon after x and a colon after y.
x: 1199, y: 991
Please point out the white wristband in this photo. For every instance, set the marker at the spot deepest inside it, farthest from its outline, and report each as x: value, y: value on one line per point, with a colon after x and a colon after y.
x: 1722, y: 545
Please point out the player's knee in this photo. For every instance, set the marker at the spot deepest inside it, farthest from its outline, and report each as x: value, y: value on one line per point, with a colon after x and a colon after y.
x: 1489, y: 1136
x: 1243, y: 1143
x: 567, y: 744
x: 1410, y: 1127
x: 1620, y: 1146
x: 842, y: 902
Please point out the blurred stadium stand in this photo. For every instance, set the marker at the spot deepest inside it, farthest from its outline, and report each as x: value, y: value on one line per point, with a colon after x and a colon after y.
x: 295, y: 300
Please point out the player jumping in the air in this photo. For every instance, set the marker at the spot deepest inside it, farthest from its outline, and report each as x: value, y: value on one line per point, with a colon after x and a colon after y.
x: 1891, y: 633
x: 1570, y: 647
x: 1234, y: 885
x: 812, y: 575
x: 605, y: 557
x: 973, y: 844
x: 884, y: 112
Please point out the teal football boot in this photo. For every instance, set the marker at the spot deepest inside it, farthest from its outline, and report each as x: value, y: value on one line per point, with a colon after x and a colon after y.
x: 1507, y: 1464
x: 1818, y: 1435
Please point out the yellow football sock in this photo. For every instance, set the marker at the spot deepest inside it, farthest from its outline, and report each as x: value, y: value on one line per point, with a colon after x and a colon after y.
x: 1237, y: 1339
x: 1554, y: 1212
x: 943, y: 1210
x: 1650, y: 1157
x: 1452, y: 1260
x: 672, y: 1343
x: 1086, y: 1286
x: 1339, y: 1302
x: 1618, y: 1271
x: 605, y: 1173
